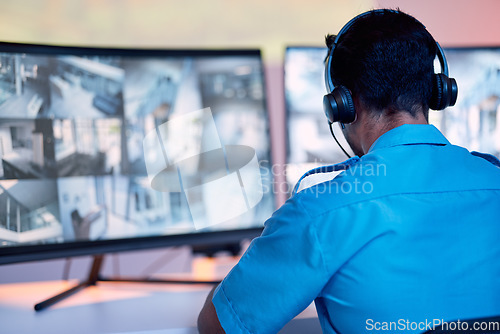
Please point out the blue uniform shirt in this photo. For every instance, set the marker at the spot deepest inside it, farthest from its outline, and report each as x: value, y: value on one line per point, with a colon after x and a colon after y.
x: 408, y: 235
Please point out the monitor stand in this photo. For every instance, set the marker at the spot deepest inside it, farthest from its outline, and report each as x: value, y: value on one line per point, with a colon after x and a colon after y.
x: 94, y: 277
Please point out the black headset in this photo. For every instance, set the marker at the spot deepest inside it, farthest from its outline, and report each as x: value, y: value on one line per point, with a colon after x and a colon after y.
x: 338, y: 103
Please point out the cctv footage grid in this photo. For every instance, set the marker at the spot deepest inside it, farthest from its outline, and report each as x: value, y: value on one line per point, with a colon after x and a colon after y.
x: 71, y: 131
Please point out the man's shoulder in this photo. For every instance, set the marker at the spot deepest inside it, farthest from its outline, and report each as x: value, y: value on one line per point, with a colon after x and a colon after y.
x: 355, y: 184
x: 403, y: 170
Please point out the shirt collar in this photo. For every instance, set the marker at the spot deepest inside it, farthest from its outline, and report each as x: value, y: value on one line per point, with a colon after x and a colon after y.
x: 410, y: 134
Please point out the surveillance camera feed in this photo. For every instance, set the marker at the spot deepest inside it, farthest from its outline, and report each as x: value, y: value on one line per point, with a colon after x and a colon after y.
x: 474, y: 122
x: 72, y: 127
x: 310, y: 143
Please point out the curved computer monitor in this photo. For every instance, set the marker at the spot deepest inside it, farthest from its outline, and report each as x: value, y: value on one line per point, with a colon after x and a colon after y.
x: 106, y: 150
x: 474, y: 122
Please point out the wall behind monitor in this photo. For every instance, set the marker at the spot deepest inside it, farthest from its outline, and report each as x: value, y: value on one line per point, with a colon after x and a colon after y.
x: 170, y: 23
x: 454, y: 22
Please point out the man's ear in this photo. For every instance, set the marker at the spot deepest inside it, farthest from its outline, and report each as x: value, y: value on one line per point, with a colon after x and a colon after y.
x: 355, y: 117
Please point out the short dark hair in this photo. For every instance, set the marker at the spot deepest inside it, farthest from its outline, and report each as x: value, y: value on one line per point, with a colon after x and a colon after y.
x: 387, y: 60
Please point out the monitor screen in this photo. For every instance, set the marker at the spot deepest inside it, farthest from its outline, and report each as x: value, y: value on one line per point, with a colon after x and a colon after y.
x: 118, y: 149
x: 474, y: 122
x: 310, y: 143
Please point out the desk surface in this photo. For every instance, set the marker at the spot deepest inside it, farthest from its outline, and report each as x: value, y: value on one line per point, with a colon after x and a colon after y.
x: 112, y: 307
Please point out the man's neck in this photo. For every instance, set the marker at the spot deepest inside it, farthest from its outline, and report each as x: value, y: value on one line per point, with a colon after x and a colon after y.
x: 373, y: 129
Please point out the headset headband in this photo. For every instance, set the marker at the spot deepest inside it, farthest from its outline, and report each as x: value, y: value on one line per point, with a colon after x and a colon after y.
x: 330, y: 86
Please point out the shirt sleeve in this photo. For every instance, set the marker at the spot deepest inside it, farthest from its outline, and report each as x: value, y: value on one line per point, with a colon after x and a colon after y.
x: 280, y: 274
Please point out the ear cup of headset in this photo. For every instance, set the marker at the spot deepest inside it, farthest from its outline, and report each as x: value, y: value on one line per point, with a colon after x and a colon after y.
x: 453, y: 91
x: 444, y: 92
x: 339, y: 106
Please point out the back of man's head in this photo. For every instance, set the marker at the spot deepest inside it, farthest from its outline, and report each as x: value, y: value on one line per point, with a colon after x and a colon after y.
x: 386, y: 60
